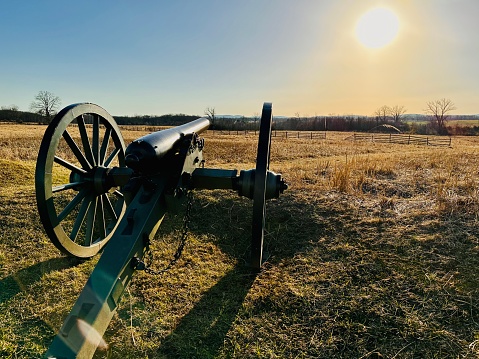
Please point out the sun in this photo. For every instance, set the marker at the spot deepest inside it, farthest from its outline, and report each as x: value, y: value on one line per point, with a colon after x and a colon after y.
x: 377, y: 28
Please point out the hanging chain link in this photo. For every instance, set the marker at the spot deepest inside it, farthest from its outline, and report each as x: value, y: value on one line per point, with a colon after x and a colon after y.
x: 146, y: 265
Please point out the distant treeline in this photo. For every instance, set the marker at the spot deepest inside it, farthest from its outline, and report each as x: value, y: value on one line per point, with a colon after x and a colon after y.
x: 21, y: 117
x: 164, y: 120
x: 413, y: 125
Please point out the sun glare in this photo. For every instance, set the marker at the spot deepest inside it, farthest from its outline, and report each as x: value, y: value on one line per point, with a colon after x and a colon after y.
x: 377, y: 28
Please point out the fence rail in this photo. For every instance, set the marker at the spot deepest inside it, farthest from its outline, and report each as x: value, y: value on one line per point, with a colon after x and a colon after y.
x: 403, y: 139
x: 280, y: 134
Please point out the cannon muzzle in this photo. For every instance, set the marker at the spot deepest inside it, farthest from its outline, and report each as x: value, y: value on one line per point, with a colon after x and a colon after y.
x: 147, y: 153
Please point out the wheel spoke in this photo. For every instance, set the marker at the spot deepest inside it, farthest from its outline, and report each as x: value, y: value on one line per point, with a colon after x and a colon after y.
x: 118, y: 194
x: 80, y: 218
x: 90, y: 222
x: 101, y: 214
x: 104, y: 145
x: 66, y: 186
x: 112, y: 156
x: 70, y: 206
x: 76, y: 150
x: 96, y: 140
x: 69, y: 165
x: 109, y: 207
x: 85, y: 140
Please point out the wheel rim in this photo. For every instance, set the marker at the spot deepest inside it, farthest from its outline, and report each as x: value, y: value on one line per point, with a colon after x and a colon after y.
x: 259, y: 199
x: 78, y: 210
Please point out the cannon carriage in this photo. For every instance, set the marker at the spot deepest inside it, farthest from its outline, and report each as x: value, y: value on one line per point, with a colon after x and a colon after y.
x: 95, y: 194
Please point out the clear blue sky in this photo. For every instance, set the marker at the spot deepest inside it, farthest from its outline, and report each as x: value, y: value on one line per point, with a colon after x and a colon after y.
x: 157, y: 57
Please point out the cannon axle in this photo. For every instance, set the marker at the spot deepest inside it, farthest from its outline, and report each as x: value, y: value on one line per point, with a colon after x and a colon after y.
x: 243, y: 183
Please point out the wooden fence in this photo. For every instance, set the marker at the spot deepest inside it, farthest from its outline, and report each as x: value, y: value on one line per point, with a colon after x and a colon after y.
x: 402, y: 139
x: 280, y: 134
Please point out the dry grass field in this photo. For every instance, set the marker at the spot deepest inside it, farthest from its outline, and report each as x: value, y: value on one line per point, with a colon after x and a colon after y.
x: 374, y: 253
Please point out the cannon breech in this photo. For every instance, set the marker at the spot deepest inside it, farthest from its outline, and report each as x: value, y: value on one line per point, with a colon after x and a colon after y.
x: 147, y: 153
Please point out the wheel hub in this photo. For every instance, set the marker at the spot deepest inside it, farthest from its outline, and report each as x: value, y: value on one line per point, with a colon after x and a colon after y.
x: 101, y: 180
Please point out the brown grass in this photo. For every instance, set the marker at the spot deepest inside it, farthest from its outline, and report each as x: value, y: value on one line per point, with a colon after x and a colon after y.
x: 373, y: 254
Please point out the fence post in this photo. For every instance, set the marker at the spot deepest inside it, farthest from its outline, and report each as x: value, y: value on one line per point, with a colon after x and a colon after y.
x: 427, y: 141
x: 409, y: 139
x: 298, y: 134
x: 311, y: 135
x: 286, y: 134
x: 390, y: 137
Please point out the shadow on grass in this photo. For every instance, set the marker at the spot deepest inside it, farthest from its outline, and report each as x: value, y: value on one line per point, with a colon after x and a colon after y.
x: 201, y: 333
x: 225, y: 219
x: 349, y: 280
x: 27, y: 326
x: 291, y: 225
x: 15, y: 283
x: 356, y: 275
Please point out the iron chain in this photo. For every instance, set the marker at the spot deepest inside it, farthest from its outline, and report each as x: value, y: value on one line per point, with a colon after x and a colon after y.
x: 147, y: 264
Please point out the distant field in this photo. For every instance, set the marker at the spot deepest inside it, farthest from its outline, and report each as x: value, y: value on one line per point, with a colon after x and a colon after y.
x: 469, y: 123
x: 374, y: 254
x: 463, y: 123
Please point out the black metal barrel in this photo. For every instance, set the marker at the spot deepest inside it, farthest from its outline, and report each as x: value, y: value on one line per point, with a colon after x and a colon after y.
x: 145, y: 153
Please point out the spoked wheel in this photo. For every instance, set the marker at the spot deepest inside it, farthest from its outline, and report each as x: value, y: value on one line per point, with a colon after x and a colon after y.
x: 79, y: 204
x: 259, y: 194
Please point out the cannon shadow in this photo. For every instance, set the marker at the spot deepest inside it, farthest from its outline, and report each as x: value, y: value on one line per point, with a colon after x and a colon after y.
x: 15, y: 283
x: 343, y: 251
x: 226, y: 221
x: 201, y: 332
x: 291, y: 224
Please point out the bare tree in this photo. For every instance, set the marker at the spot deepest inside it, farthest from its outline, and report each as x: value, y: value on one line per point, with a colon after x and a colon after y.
x: 397, y: 112
x: 382, y: 114
x: 439, y: 112
x: 45, y: 104
x: 210, y: 113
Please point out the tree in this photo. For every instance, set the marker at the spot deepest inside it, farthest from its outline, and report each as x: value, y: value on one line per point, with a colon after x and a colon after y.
x: 45, y: 104
x: 382, y: 114
x: 397, y: 112
x: 439, y: 112
x: 210, y: 113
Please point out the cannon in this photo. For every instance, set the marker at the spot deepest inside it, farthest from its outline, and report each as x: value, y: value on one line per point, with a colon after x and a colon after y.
x: 94, y: 194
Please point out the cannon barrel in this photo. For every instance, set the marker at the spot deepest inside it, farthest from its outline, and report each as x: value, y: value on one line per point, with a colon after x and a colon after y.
x: 145, y: 153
